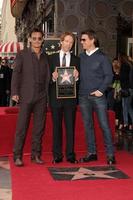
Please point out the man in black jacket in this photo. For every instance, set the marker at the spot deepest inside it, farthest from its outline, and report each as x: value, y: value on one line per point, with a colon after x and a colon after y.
x: 131, y: 72
x: 63, y: 107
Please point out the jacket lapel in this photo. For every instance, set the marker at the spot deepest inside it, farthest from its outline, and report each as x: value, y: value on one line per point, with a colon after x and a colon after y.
x: 71, y: 61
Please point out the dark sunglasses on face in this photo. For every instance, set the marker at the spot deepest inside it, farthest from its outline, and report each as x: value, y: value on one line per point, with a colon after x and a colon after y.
x: 37, y: 38
x: 82, y: 40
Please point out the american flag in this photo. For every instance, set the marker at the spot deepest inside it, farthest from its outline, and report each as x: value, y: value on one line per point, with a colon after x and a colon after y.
x: 13, y: 2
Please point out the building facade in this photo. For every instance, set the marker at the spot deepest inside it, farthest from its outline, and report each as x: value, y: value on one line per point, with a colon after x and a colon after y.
x: 0, y: 29
x: 112, y: 20
x: 7, y: 23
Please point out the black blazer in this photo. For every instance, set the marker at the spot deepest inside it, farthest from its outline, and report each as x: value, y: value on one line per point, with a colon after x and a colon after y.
x: 4, y: 79
x: 54, y: 61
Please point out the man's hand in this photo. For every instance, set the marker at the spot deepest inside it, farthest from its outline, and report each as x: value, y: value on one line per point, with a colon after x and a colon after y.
x: 75, y: 74
x: 15, y: 98
x: 96, y: 93
x: 55, y: 75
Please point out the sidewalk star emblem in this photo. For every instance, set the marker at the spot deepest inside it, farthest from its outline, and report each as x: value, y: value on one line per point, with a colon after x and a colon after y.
x: 84, y: 173
x: 65, y: 77
x: 87, y: 173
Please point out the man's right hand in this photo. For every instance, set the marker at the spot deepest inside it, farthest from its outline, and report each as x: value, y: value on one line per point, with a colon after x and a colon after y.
x: 55, y: 75
x: 15, y: 98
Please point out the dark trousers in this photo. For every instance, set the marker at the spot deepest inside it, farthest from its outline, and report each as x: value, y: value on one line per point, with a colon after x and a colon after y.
x: 3, y: 99
x: 38, y: 109
x: 88, y: 104
x: 69, y: 114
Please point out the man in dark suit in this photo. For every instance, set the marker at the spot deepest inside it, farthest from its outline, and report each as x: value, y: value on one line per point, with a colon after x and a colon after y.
x: 30, y: 80
x: 63, y: 107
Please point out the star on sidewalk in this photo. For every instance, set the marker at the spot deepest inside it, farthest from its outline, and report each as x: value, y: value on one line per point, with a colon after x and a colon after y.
x: 4, y: 165
x: 66, y: 77
x: 83, y: 173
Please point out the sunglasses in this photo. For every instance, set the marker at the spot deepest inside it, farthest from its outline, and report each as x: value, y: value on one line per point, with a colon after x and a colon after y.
x: 82, y: 40
x: 37, y: 38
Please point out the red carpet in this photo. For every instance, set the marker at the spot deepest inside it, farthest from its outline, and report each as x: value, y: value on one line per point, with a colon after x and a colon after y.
x: 8, y: 126
x: 34, y: 182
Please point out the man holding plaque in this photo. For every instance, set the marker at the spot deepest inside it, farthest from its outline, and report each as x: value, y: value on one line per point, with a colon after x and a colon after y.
x: 62, y: 97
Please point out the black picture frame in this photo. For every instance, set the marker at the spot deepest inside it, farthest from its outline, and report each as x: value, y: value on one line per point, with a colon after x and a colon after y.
x: 65, y: 83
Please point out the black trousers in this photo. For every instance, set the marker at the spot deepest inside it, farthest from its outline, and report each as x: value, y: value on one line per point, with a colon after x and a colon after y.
x: 38, y: 109
x: 3, y: 99
x: 69, y: 114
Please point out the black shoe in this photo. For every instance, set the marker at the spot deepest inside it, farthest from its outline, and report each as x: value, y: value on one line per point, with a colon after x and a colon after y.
x: 72, y: 160
x: 37, y: 160
x: 18, y: 162
x: 57, y: 160
x: 125, y: 128
x: 91, y: 157
x: 111, y: 160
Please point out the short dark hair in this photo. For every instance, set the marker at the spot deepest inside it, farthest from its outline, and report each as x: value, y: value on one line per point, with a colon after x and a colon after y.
x: 92, y: 35
x: 36, y: 29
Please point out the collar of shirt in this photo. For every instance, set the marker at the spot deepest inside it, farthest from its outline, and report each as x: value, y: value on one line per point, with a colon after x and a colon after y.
x: 68, y: 56
x: 89, y: 53
x: 32, y: 50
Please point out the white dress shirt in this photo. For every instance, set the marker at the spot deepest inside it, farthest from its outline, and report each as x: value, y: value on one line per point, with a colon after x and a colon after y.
x: 89, y: 53
x: 68, y: 57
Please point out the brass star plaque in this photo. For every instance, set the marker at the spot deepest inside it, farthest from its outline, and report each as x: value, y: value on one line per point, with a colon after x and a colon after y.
x: 65, y: 83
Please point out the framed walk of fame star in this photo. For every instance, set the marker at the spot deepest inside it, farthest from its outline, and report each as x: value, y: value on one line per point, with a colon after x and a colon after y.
x: 65, y: 83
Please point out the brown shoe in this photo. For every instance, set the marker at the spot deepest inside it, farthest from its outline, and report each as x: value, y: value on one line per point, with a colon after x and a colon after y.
x: 18, y: 162
x: 37, y: 160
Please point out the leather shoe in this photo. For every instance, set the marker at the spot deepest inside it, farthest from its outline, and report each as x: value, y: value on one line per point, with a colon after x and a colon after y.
x: 72, y: 160
x: 37, y: 160
x: 91, y: 157
x: 111, y: 160
x: 18, y: 162
x: 57, y: 160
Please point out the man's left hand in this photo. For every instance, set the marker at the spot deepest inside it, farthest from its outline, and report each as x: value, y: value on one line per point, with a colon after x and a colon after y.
x: 96, y: 93
x: 75, y: 74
